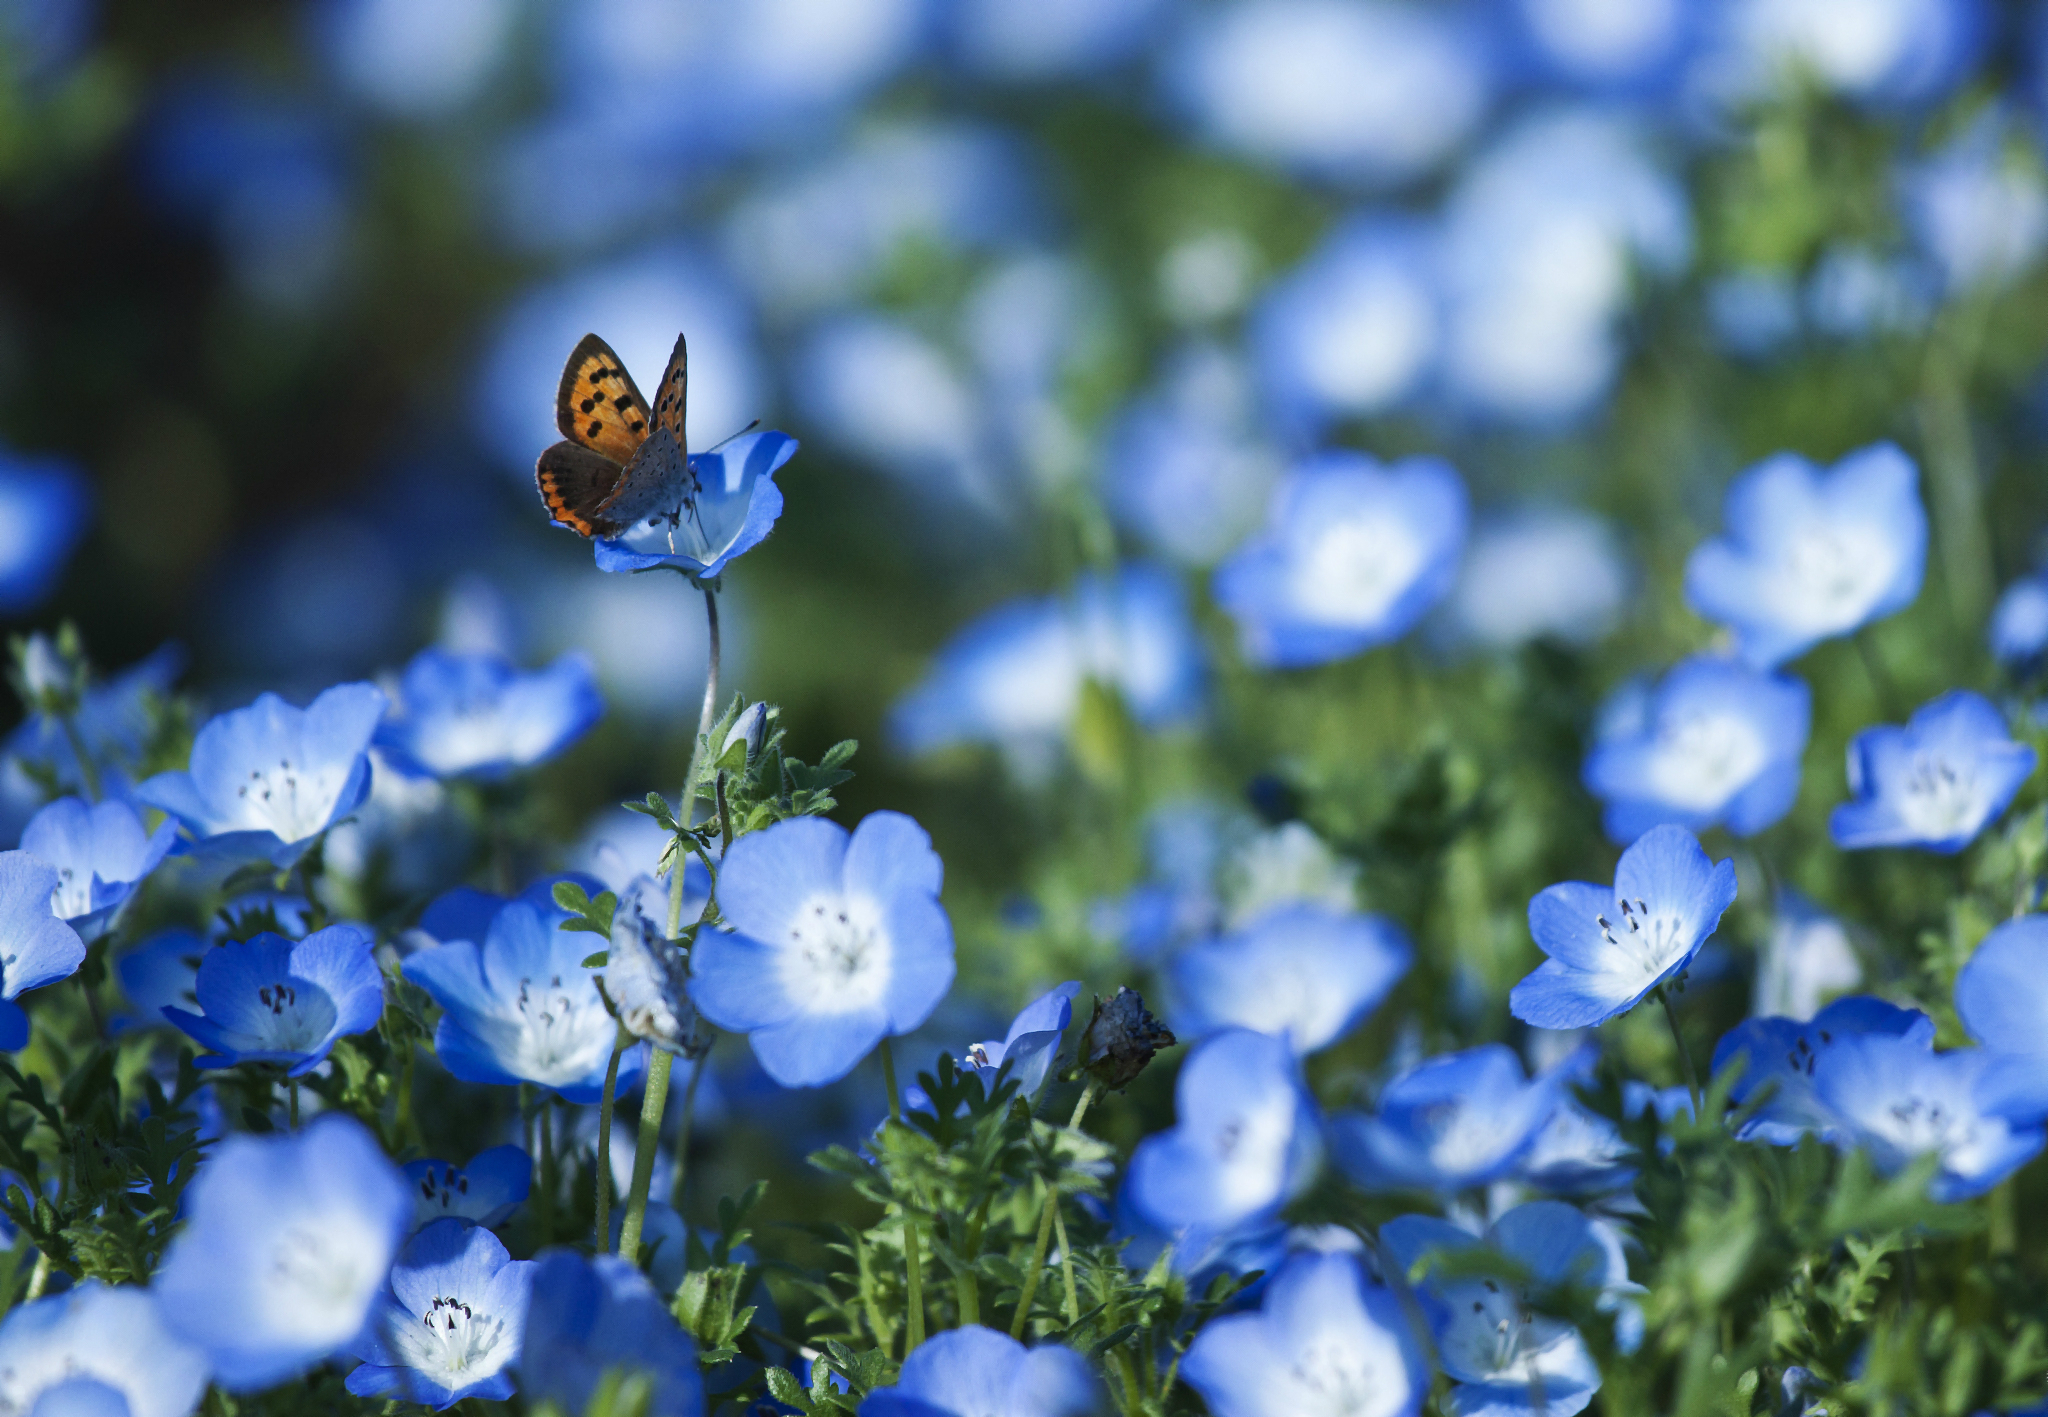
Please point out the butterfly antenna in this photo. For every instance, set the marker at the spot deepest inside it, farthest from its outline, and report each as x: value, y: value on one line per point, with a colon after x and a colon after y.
x: 741, y: 434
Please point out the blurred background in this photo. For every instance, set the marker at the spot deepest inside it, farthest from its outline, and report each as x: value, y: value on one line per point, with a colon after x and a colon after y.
x: 1044, y: 287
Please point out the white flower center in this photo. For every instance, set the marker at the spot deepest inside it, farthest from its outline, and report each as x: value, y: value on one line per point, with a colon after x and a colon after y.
x: 1352, y: 572
x: 454, y: 1343
x: 1461, y: 1139
x: 1331, y: 1379
x: 1703, y: 760
x: 1940, y: 797
x: 446, y: 1191
x: 292, y: 801
x: 1495, y: 1335
x: 836, y: 957
x: 322, y: 1278
x: 293, y: 1017
x: 73, y: 896
x: 1830, y: 576
x: 1651, y: 941
x: 1251, y: 1153
x: 559, y: 1031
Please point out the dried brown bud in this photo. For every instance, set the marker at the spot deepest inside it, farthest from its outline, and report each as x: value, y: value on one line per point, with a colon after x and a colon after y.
x: 1121, y: 1037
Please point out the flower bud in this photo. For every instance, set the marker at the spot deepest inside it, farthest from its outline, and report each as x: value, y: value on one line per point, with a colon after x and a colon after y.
x: 751, y: 728
x: 647, y: 978
x: 1121, y: 1037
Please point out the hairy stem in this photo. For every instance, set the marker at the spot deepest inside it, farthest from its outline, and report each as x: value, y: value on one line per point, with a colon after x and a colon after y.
x: 913, y: 1259
x: 686, y: 809
x: 653, y: 1103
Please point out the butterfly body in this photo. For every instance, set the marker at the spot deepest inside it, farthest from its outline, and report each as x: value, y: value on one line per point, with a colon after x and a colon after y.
x: 619, y: 463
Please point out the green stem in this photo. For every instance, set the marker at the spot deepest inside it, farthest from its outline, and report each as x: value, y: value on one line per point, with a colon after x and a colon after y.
x: 291, y: 1089
x: 1059, y: 1228
x: 913, y: 1258
x: 697, y: 1066
x: 1037, y: 1266
x: 546, y: 1209
x: 686, y: 809
x: 605, y: 1106
x: 1692, y: 1081
x: 653, y: 1103
x: 1957, y: 486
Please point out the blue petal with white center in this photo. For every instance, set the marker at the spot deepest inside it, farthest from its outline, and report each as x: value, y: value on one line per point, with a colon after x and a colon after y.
x: 1306, y: 973
x: 1935, y: 783
x: 484, y: 1192
x: 101, y: 854
x: 730, y: 509
x: 284, y: 1252
x: 1714, y: 743
x: 588, y: 1317
x: 1809, y: 555
x: 113, y: 721
x: 833, y: 942
x: 1351, y: 556
x: 521, y: 1007
x: 1785, y: 1054
x: 480, y: 716
x: 1449, y: 1123
x: 1245, y: 1140
x: 267, y: 779
x: 1031, y: 1043
x: 110, y: 1338
x: 451, y: 1324
x: 973, y: 1371
x: 36, y: 948
x: 1325, y: 1338
x: 273, y: 1000
x: 1609, y: 948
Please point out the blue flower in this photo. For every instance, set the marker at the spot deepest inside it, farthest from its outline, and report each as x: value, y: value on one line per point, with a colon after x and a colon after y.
x: 2002, y: 999
x: 1352, y: 555
x: 835, y: 943
x: 1448, y: 1124
x: 1030, y: 1045
x: 101, y: 854
x: 477, y: 715
x: 731, y: 510
x: 273, y: 1000
x: 414, y: 61
x: 1014, y: 677
x: 1807, y: 960
x: 1245, y: 1140
x: 286, y: 1244
x: 1609, y: 948
x: 1323, y: 1337
x: 160, y: 972
x: 1714, y: 743
x: 113, y: 719
x: 2019, y: 623
x: 484, y: 1192
x: 1935, y: 783
x: 267, y: 779
x: 452, y: 1322
x: 1506, y: 1358
x: 973, y: 1371
x: 1978, y: 207
x: 1898, y: 1100
x: 1810, y: 555
x: 1021, y: 40
x: 111, y: 1338
x: 1784, y: 1054
x: 521, y: 1006
x: 1305, y: 973
x: 39, y: 948
x: 45, y: 506
x: 1578, y: 1153
x: 1608, y: 46
x: 589, y: 1317
x: 1554, y: 571
x: 1352, y: 331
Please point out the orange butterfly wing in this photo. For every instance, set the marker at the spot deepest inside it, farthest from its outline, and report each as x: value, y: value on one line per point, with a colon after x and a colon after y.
x: 575, y: 482
x: 597, y: 404
x: 673, y: 394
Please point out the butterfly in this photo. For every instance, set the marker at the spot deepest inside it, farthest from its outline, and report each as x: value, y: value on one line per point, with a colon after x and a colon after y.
x: 618, y: 463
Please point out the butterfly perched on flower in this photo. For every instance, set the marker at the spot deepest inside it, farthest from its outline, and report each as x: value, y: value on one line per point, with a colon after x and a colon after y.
x: 619, y: 463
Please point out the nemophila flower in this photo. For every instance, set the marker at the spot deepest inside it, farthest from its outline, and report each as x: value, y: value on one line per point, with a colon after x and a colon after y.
x: 1448, y: 1124
x: 1019, y: 40
x: 479, y: 715
x: 419, y: 62
x: 2019, y: 622
x: 833, y: 943
x: 1197, y: 1251
x: 1577, y: 1153
x: 1608, y: 46
x: 1351, y: 556
x: 1325, y: 1341
x: 1784, y: 1054
x: 101, y: 854
x: 973, y: 1371
x: 286, y: 1244
x: 267, y: 779
x: 36, y: 948
x: 1714, y: 743
x: 483, y: 1192
x: 1935, y: 783
x: 1898, y: 1100
x: 590, y: 1317
x: 1609, y: 948
x: 1807, y: 960
x: 273, y: 1000
x: 1554, y: 572
x: 45, y: 507
x: 1978, y: 206
x: 160, y: 972
x: 451, y: 1323
x: 1246, y: 1137
x: 1808, y: 555
x: 2002, y: 998
x: 1304, y: 973
x: 1504, y: 1356
x: 1032, y: 1042
x: 730, y: 510
x: 112, y: 1338
x: 113, y: 720
x: 520, y: 1006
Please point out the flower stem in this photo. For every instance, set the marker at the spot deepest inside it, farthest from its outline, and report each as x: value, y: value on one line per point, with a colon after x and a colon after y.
x: 1059, y: 1228
x: 291, y: 1090
x: 913, y: 1259
x: 652, y: 1104
x: 1957, y: 490
x: 605, y: 1107
x: 1045, y: 1223
x: 546, y: 1209
x: 686, y: 809
x: 1692, y: 1080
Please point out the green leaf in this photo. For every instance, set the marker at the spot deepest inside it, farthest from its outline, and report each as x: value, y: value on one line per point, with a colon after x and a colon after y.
x: 784, y: 1388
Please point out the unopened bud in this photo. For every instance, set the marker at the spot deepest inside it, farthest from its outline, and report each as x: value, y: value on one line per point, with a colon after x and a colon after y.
x: 1121, y: 1037
x: 751, y: 728
x: 49, y: 680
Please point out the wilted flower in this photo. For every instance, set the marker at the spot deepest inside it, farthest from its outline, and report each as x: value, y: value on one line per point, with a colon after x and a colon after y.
x: 451, y: 1322
x: 973, y: 1371
x: 273, y: 1000
x: 645, y: 974
x: 1935, y: 783
x: 1121, y: 1037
